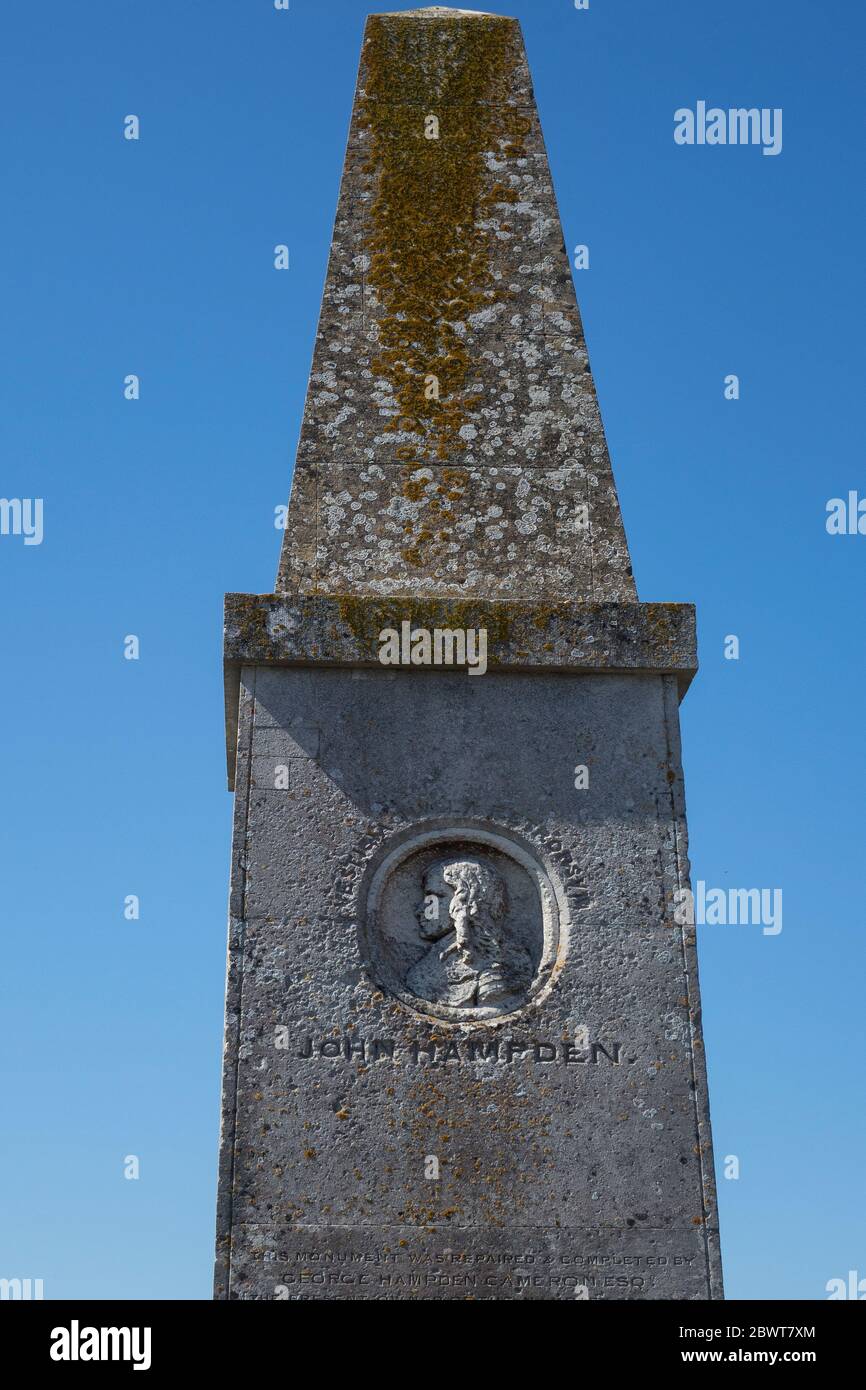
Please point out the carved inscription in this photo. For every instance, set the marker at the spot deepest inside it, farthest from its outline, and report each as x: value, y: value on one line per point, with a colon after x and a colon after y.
x: 486, y: 1273
x: 496, y: 1050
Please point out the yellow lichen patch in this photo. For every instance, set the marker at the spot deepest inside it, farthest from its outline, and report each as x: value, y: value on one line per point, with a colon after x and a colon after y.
x: 439, y: 497
x: 250, y: 616
x: 430, y: 254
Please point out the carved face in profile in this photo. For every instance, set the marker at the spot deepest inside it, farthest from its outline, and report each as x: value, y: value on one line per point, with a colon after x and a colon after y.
x: 462, y: 915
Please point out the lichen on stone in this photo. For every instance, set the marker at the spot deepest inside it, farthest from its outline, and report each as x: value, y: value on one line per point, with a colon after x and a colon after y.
x: 429, y: 250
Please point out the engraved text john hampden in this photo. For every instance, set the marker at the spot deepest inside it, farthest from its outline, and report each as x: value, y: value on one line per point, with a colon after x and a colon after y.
x: 426, y: 1051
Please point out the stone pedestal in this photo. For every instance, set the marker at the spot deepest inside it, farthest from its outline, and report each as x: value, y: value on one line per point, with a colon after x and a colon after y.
x: 530, y: 1123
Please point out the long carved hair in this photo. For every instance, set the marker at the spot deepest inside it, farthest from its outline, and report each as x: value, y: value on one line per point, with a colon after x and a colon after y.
x: 480, y: 892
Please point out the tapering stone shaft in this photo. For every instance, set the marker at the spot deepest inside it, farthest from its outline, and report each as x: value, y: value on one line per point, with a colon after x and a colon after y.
x: 451, y: 442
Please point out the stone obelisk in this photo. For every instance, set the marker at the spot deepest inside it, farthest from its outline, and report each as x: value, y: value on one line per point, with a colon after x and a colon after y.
x: 462, y: 1054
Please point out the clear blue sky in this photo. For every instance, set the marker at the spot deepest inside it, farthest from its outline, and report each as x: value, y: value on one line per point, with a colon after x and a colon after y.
x: 156, y: 258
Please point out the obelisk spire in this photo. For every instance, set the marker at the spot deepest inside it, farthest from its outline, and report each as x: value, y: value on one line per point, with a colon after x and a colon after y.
x: 451, y: 442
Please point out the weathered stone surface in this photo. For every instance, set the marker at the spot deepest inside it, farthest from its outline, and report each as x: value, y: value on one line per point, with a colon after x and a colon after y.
x: 448, y: 260
x: 571, y: 1124
x: 345, y: 631
x: 463, y: 1054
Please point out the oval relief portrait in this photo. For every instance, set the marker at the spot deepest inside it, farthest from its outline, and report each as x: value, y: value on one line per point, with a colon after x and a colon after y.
x: 461, y: 923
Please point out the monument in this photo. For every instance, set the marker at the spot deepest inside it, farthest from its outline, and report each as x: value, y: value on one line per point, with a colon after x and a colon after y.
x: 463, y: 1056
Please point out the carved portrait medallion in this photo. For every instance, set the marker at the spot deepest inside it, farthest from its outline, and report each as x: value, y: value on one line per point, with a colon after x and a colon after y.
x: 462, y: 923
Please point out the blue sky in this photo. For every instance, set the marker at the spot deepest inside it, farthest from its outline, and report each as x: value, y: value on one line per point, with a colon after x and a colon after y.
x: 156, y: 257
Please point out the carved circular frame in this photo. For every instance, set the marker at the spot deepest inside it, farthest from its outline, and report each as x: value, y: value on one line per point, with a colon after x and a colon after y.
x: 555, y: 917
